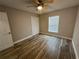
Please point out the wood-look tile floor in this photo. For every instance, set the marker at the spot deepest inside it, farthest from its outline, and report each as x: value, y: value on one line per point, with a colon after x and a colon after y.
x: 40, y: 47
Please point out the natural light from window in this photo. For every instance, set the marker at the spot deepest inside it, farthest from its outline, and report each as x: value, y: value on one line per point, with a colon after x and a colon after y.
x: 53, y: 25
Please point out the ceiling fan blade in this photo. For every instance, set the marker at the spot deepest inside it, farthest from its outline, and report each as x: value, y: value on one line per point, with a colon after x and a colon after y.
x: 50, y: 1
x: 47, y: 1
x: 35, y: 1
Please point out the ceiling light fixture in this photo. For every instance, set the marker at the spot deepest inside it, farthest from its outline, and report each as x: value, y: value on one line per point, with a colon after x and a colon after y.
x: 39, y: 8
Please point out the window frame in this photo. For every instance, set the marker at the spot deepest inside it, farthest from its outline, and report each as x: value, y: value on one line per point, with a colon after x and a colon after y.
x: 58, y: 24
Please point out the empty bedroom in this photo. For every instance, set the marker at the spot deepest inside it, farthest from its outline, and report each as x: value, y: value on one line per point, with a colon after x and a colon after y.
x: 39, y: 29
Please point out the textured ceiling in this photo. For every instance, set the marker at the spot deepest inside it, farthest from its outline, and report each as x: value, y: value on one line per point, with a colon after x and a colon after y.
x: 56, y: 5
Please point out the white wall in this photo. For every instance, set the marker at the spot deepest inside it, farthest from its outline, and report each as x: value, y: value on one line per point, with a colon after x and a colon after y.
x: 76, y: 36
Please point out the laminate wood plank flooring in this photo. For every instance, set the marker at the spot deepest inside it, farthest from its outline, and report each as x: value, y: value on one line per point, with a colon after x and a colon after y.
x: 40, y: 47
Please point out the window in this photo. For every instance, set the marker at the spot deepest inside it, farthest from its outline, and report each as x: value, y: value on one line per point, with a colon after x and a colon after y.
x: 53, y: 24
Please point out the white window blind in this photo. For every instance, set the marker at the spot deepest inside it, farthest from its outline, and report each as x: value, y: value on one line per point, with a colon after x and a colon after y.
x: 53, y: 25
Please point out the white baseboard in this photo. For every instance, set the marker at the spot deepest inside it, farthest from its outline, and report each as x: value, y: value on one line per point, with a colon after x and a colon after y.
x: 57, y: 35
x: 23, y: 39
x: 75, y: 50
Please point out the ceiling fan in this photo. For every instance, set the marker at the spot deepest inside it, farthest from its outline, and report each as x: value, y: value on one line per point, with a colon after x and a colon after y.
x: 39, y: 4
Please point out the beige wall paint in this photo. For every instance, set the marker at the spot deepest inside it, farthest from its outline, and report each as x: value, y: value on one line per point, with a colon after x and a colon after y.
x: 20, y: 22
x: 76, y: 35
x: 66, y: 23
